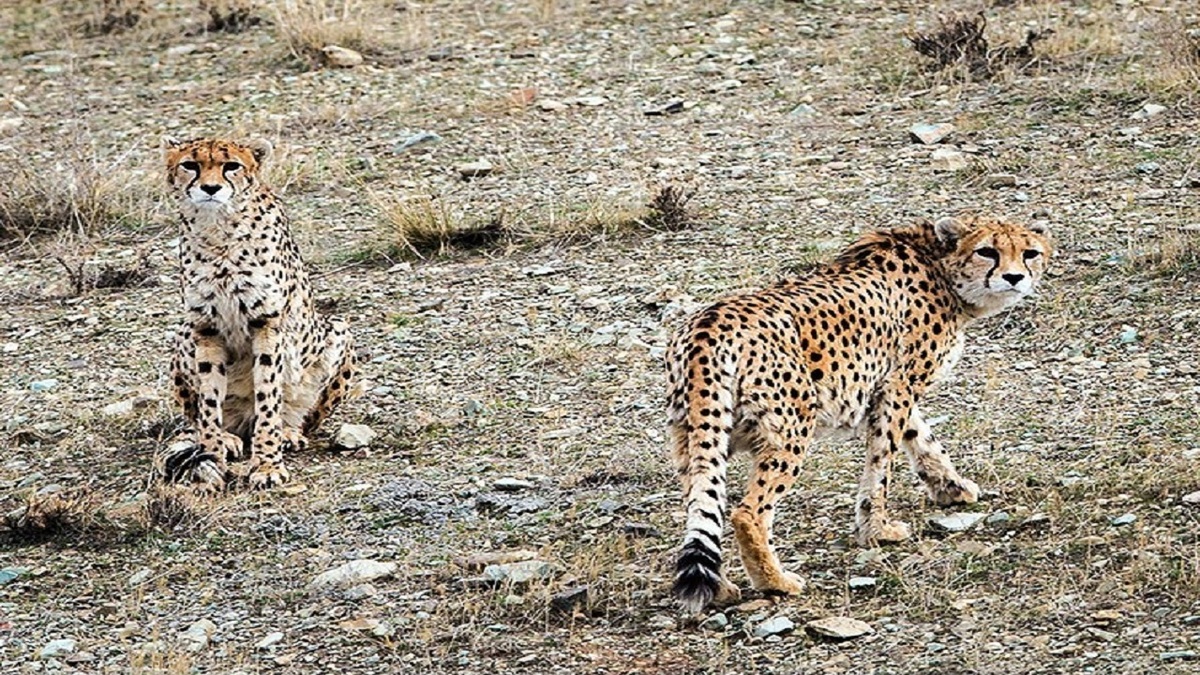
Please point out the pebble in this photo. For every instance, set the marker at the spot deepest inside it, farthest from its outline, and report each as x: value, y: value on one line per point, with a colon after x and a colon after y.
x: 956, y: 522
x: 946, y: 159
x: 671, y: 107
x: 591, y: 101
x: 196, y: 637
x: 340, y: 57
x: 998, y: 518
x: 419, y: 138
x: 270, y: 640
x: 717, y: 621
x: 929, y: 134
x: 43, y: 385
x: 550, y: 105
x: 861, y: 582
x: 353, y: 573
x: 724, y: 85
x: 1192, y: 498
x: 1125, y: 519
x: 476, y: 169
x: 1148, y: 167
x: 354, y: 436
x: 140, y: 577
x: 661, y: 622
x: 1149, y: 110
x: 776, y: 625
x: 512, y: 485
x: 11, y: 574
x: 8, y: 124
x: 839, y: 628
x: 361, y: 592
x: 998, y: 180
x: 57, y: 648
x: 1181, y: 655
x: 126, y: 407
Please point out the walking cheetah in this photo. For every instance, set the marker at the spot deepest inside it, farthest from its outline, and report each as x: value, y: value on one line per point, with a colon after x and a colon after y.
x: 852, y: 346
x: 255, y: 367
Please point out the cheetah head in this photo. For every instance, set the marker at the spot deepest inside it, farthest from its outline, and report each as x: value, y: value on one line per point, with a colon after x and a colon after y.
x: 213, y: 174
x: 993, y: 264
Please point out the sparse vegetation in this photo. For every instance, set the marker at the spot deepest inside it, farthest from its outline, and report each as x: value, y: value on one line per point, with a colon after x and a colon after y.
x: 670, y: 208
x: 79, y: 197
x: 54, y: 513
x: 307, y: 27
x: 230, y: 16
x: 959, y: 41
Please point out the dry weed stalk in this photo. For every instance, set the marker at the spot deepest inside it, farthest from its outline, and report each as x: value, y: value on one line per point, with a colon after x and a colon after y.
x: 308, y: 26
x: 48, y: 514
x: 960, y: 41
x: 669, y: 209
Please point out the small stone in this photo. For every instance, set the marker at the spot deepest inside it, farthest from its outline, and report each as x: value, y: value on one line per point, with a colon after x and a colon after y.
x: 512, y: 485
x: 717, y: 621
x: 11, y: 574
x: 644, y: 530
x: 361, y: 592
x: 999, y: 180
x: 1181, y: 655
x: 1152, y: 194
x: 568, y: 599
x: 140, y: 577
x: 8, y: 124
x: 1101, y: 634
x: 353, y: 436
x: 956, y: 522
x: 126, y: 407
x: 1147, y: 167
x: 196, y: 637
x: 661, y: 622
x: 476, y: 169
x: 724, y: 85
x: 998, y: 518
x: 270, y: 640
x: 671, y: 107
x: 1192, y: 498
x: 839, y: 628
x: 520, y: 572
x: 1128, y: 335
x: 353, y: 573
x: 419, y: 138
x: 946, y: 159
x: 182, y: 50
x: 929, y: 134
x: 1149, y: 110
x: 340, y: 57
x: 482, y: 560
x: 776, y: 625
x: 1125, y: 519
x: 57, y: 648
x: 591, y: 101
x: 934, y: 647
x: 861, y: 582
x: 1105, y: 616
x: 39, y: 386
x: 550, y: 105
x: 803, y: 111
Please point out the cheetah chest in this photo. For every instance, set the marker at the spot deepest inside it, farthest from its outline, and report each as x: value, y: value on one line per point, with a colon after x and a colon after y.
x: 230, y: 294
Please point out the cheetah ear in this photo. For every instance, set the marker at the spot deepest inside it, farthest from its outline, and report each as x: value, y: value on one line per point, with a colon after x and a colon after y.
x: 169, y: 143
x: 949, y: 230
x: 261, y: 149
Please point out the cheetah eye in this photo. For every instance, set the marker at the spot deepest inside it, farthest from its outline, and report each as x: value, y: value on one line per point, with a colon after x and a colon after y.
x: 987, y: 252
x: 231, y: 166
x: 1031, y: 254
x: 194, y: 167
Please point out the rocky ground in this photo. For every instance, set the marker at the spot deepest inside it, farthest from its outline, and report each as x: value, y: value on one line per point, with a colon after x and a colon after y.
x: 515, y: 511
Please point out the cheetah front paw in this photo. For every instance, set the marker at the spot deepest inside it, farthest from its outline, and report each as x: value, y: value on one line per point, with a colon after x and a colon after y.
x: 186, y: 462
x: 294, y: 440
x: 952, y: 492
x: 268, y: 475
x: 888, y: 532
x: 783, y: 583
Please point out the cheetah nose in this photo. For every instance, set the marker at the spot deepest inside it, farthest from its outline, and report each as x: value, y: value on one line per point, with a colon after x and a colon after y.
x: 1013, y: 279
x: 214, y: 189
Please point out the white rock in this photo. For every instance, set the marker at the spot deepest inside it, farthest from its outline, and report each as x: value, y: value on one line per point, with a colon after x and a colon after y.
x: 839, y: 628
x: 550, y: 105
x: 341, y: 57
x: 1149, y: 110
x: 519, y: 572
x: 930, y: 134
x: 591, y: 101
x: 353, y: 573
x: 946, y: 159
x: 956, y: 522
x: 143, y: 575
x: 476, y: 169
x: 126, y: 407
x: 195, y: 638
x: 57, y: 648
x: 776, y: 625
x: 270, y: 640
x: 8, y: 124
x: 353, y: 436
x: 1192, y: 498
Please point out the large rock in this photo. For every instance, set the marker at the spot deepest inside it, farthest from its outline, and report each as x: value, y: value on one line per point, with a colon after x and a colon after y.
x: 352, y: 573
x: 956, y: 522
x: 838, y: 628
x: 354, y: 436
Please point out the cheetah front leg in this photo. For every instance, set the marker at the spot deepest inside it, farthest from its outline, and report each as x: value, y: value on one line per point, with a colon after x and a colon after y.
x: 268, y: 439
x: 343, y: 364
x: 887, y: 419
x: 933, y: 466
x: 198, y: 373
x: 782, y: 441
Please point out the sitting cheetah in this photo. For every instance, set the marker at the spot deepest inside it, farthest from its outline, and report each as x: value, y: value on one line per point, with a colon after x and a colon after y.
x: 852, y: 346
x: 255, y: 367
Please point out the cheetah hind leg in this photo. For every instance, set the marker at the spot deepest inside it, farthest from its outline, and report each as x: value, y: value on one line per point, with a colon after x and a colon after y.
x: 343, y: 368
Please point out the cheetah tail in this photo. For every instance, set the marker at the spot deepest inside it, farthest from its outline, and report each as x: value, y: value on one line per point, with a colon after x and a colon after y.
x: 702, y: 463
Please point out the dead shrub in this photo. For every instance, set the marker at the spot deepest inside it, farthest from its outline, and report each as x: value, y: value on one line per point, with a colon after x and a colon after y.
x: 171, y: 509
x: 959, y: 41
x: 54, y: 513
x: 118, y: 15
x: 669, y: 209
x: 230, y: 16
x: 84, y: 275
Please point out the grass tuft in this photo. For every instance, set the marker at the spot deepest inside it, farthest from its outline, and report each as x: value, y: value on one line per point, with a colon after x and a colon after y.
x: 79, y: 198
x: 171, y: 509
x: 307, y: 27
x: 230, y: 16
x: 426, y: 226
x: 54, y: 513
x: 959, y: 41
x: 116, y: 16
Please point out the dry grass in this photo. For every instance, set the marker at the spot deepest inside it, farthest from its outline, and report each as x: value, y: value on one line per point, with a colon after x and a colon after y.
x: 670, y: 209
x: 115, y: 16
x: 49, y: 514
x: 230, y: 16
x: 79, y: 196
x: 959, y: 42
x: 308, y: 26
x: 424, y: 226
x: 173, y: 509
